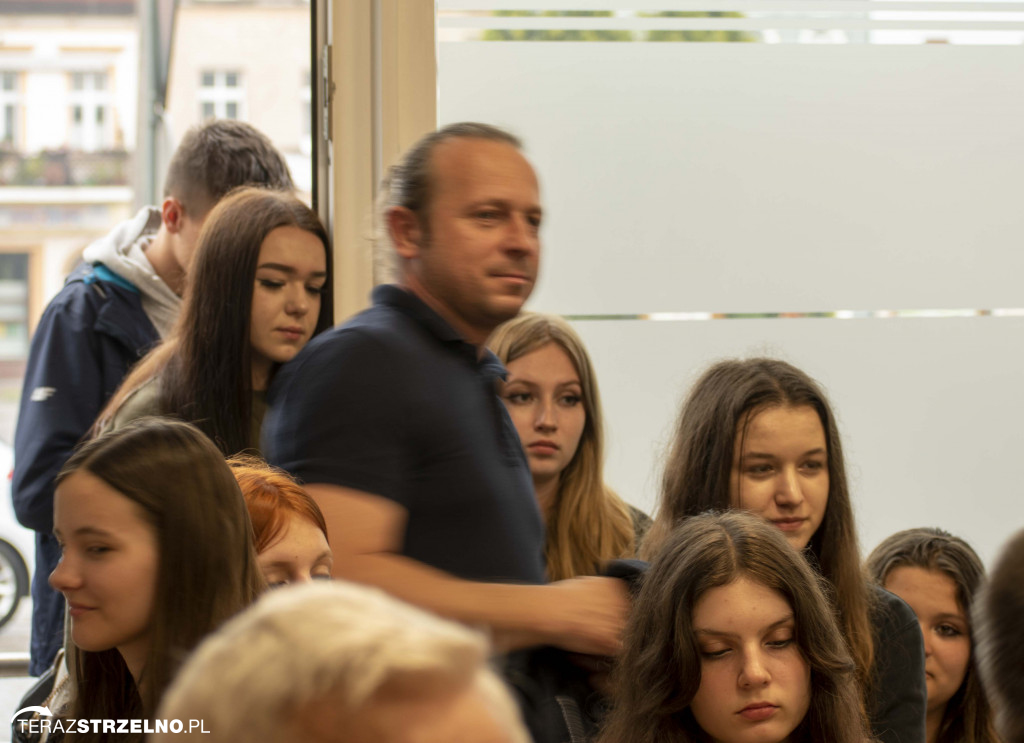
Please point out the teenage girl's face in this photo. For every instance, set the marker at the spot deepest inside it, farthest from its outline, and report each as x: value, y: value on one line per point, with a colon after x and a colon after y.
x: 944, y: 625
x: 780, y: 470
x: 108, y: 567
x: 755, y: 684
x: 544, y: 398
x: 291, y: 272
x: 299, y: 555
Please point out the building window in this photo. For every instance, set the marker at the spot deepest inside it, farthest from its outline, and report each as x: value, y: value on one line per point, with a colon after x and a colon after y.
x: 9, y: 102
x: 221, y: 95
x: 90, y: 101
x: 13, y: 306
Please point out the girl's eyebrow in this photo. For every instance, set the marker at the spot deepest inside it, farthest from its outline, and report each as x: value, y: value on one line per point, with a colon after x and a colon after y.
x: 763, y: 455
x: 718, y: 633
x: 86, y: 531
x: 286, y: 269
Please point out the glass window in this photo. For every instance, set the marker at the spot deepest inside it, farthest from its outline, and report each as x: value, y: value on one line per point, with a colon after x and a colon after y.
x: 70, y: 99
x: 8, y: 130
x: 224, y: 96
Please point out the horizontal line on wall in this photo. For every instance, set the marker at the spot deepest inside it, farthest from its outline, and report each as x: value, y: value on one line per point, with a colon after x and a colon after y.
x: 826, y: 315
x: 731, y: 24
x: 625, y: 7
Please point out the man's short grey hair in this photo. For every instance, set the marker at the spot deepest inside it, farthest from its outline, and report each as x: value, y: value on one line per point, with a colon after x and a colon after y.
x: 999, y: 639
x: 301, y: 645
x: 409, y: 184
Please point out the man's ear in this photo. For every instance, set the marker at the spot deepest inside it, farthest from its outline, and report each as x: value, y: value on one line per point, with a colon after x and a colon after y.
x: 172, y: 212
x: 405, y: 231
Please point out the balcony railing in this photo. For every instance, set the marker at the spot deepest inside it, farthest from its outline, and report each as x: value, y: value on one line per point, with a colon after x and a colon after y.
x: 65, y: 168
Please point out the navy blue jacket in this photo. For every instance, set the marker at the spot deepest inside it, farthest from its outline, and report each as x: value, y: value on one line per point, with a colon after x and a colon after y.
x: 90, y: 335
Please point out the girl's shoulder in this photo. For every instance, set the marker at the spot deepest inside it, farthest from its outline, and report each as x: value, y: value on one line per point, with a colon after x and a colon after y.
x: 143, y: 401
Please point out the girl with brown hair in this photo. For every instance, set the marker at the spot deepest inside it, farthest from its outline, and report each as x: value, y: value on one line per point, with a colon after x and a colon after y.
x: 760, y: 435
x: 937, y: 574
x: 732, y: 639
x: 256, y: 293
x: 156, y: 552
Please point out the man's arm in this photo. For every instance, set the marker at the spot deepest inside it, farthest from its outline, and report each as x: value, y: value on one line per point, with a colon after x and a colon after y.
x: 584, y: 615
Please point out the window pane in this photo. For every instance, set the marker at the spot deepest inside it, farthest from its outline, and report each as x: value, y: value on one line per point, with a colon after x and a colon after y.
x: 231, y: 79
x: 208, y: 111
x: 231, y: 110
x: 207, y: 79
x: 8, y: 133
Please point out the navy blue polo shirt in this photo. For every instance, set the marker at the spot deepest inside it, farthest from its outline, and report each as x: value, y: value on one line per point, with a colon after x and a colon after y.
x: 395, y: 403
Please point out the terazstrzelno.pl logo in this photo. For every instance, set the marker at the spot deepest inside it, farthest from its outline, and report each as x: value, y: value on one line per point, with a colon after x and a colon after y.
x: 42, y: 719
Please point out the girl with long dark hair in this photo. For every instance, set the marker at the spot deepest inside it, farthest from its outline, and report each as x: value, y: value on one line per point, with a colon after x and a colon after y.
x: 732, y: 639
x: 937, y: 574
x: 256, y: 292
x: 759, y: 435
x: 156, y: 552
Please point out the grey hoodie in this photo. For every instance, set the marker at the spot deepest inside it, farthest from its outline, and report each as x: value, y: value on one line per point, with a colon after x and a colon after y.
x: 123, y: 251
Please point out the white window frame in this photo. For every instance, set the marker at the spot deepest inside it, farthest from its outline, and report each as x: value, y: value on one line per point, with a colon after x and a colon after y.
x: 90, y: 101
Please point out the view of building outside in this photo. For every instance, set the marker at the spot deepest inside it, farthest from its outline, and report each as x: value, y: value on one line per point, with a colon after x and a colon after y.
x: 72, y: 154
x: 69, y: 113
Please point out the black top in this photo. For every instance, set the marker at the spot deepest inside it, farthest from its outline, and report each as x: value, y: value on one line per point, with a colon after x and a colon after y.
x: 896, y: 709
x: 395, y: 403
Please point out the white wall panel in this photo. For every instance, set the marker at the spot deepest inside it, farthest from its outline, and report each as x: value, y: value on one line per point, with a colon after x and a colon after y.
x: 788, y: 177
x: 760, y: 178
x: 930, y: 410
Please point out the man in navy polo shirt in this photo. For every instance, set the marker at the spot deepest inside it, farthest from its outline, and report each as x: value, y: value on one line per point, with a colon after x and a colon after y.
x: 393, y: 422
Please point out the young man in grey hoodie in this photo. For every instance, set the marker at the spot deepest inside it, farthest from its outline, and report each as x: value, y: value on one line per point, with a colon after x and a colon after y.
x: 113, y: 308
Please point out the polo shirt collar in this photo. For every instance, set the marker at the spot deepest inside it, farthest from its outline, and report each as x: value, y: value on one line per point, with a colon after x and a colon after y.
x: 405, y: 301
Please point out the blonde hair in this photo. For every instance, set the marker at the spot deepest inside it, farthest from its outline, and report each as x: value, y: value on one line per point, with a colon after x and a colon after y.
x: 588, y: 524
x: 303, y: 645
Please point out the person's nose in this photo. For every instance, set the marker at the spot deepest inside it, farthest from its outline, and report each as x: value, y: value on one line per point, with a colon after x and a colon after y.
x: 297, y: 302
x: 547, y: 416
x: 789, y: 489
x: 927, y: 640
x: 754, y: 672
x: 521, y: 235
x: 65, y: 577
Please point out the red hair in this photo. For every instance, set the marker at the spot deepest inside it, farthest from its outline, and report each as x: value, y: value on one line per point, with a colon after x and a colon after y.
x: 271, y: 495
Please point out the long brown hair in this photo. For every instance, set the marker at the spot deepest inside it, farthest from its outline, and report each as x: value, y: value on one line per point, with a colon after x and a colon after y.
x: 659, y: 671
x: 968, y: 716
x: 204, y: 366
x: 207, y: 568
x: 588, y: 524
x: 699, y: 468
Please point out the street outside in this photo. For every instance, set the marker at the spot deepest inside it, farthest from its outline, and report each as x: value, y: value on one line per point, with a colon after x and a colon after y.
x: 14, y: 638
